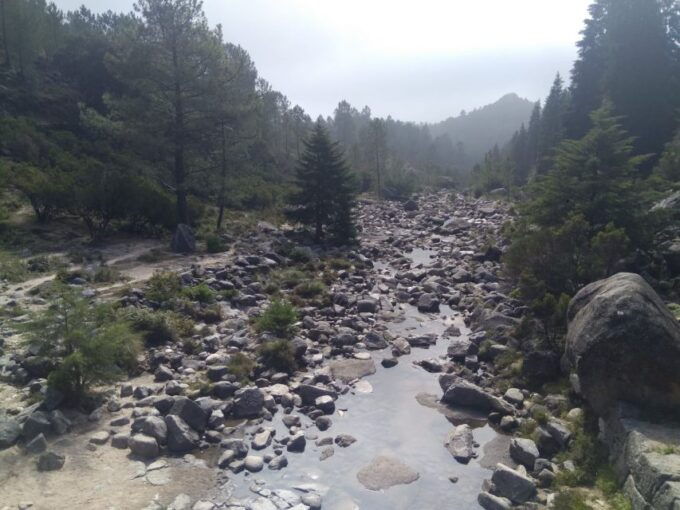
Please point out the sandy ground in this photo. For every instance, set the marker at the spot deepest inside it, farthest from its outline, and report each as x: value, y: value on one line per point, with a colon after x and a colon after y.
x: 100, y: 477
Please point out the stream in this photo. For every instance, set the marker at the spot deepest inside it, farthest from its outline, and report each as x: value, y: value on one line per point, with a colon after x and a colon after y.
x: 394, y: 412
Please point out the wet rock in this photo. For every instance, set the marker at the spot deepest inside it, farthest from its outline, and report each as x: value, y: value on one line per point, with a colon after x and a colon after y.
x: 367, y: 306
x: 253, y: 463
x: 514, y: 396
x: 190, y: 412
x: 309, y: 393
x: 513, y: 485
x: 490, y: 502
x: 297, y: 443
x: 279, y: 462
x: 51, y: 461
x: 384, y: 472
x: 344, y: 440
x: 143, y: 446
x: 460, y: 443
x: 248, y: 403
x: 428, y: 303
x: 262, y: 439
x: 389, y: 362
x: 374, y: 341
x: 326, y: 453
x: 323, y: 423
x: 181, y: 437
x: 524, y: 451
x: 325, y: 404
x: 624, y: 345
x: 348, y: 370
x: 400, y: 347
x: 312, y: 500
x: 464, y: 393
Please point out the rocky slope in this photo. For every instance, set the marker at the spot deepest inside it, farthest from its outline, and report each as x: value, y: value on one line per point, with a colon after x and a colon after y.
x: 403, y: 397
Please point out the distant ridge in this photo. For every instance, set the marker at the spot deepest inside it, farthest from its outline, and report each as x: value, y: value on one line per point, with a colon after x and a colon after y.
x: 482, y: 128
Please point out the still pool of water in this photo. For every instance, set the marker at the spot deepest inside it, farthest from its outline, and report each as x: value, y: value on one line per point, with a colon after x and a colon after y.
x: 389, y: 421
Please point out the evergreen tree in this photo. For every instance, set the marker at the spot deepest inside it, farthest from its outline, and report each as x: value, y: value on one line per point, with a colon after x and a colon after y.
x: 629, y: 54
x: 325, y: 199
x: 594, y: 177
x: 552, y: 124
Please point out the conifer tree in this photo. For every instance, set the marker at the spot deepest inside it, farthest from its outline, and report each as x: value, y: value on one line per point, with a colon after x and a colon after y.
x: 326, y: 190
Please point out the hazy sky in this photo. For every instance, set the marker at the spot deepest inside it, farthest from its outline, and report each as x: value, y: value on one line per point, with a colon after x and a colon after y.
x: 421, y: 60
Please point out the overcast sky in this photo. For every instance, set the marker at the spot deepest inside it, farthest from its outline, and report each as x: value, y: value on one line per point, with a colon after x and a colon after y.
x: 421, y: 60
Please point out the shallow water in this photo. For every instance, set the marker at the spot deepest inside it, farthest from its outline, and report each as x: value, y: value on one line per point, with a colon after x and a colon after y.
x: 390, y: 420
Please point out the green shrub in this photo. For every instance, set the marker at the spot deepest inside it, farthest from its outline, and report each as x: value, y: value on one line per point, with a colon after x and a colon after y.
x: 159, y: 327
x: 278, y: 355
x: 240, y: 366
x: 163, y: 286
x: 339, y: 263
x: 106, y: 274
x: 278, y: 319
x: 90, y: 343
x: 289, y: 278
x: 214, y: 244
x: 300, y: 255
x: 12, y: 269
x: 201, y: 293
x: 210, y: 314
x: 151, y: 256
x: 309, y: 289
x: 570, y: 500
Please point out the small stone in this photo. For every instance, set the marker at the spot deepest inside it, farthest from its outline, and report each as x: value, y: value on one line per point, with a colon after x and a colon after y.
x: 344, y: 440
x: 50, y: 461
x: 253, y: 463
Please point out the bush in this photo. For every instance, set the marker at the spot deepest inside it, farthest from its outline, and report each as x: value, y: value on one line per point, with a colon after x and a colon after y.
x: 570, y: 500
x: 278, y: 355
x: 309, y: 289
x: 159, y: 327
x: 278, y: 319
x: 12, y: 269
x: 88, y: 342
x: 163, y: 286
x: 201, y: 293
x: 214, y: 244
x: 289, y: 278
x: 106, y: 274
x: 240, y: 366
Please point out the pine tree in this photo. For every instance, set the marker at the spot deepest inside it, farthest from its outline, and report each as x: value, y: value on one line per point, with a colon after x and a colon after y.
x: 325, y: 199
x: 552, y: 124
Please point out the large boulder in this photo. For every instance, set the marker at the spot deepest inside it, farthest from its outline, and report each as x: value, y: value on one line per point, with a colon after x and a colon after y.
x: 10, y: 430
x: 248, y: 403
x: 624, y: 345
x: 384, y: 472
x: 348, y: 370
x: 512, y: 484
x: 183, y: 240
x: 466, y: 394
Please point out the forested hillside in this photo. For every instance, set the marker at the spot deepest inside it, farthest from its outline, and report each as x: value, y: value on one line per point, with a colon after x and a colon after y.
x: 482, y: 128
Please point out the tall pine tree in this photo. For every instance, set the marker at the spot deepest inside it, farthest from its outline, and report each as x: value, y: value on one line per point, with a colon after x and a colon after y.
x: 325, y: 199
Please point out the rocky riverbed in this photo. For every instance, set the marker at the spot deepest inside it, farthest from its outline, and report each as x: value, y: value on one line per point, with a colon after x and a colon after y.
x: 401, y: 399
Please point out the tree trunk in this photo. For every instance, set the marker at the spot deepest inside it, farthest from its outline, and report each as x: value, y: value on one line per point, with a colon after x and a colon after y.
x: 8, y: 62
x: 223, y: 178
x: 179, y: 170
